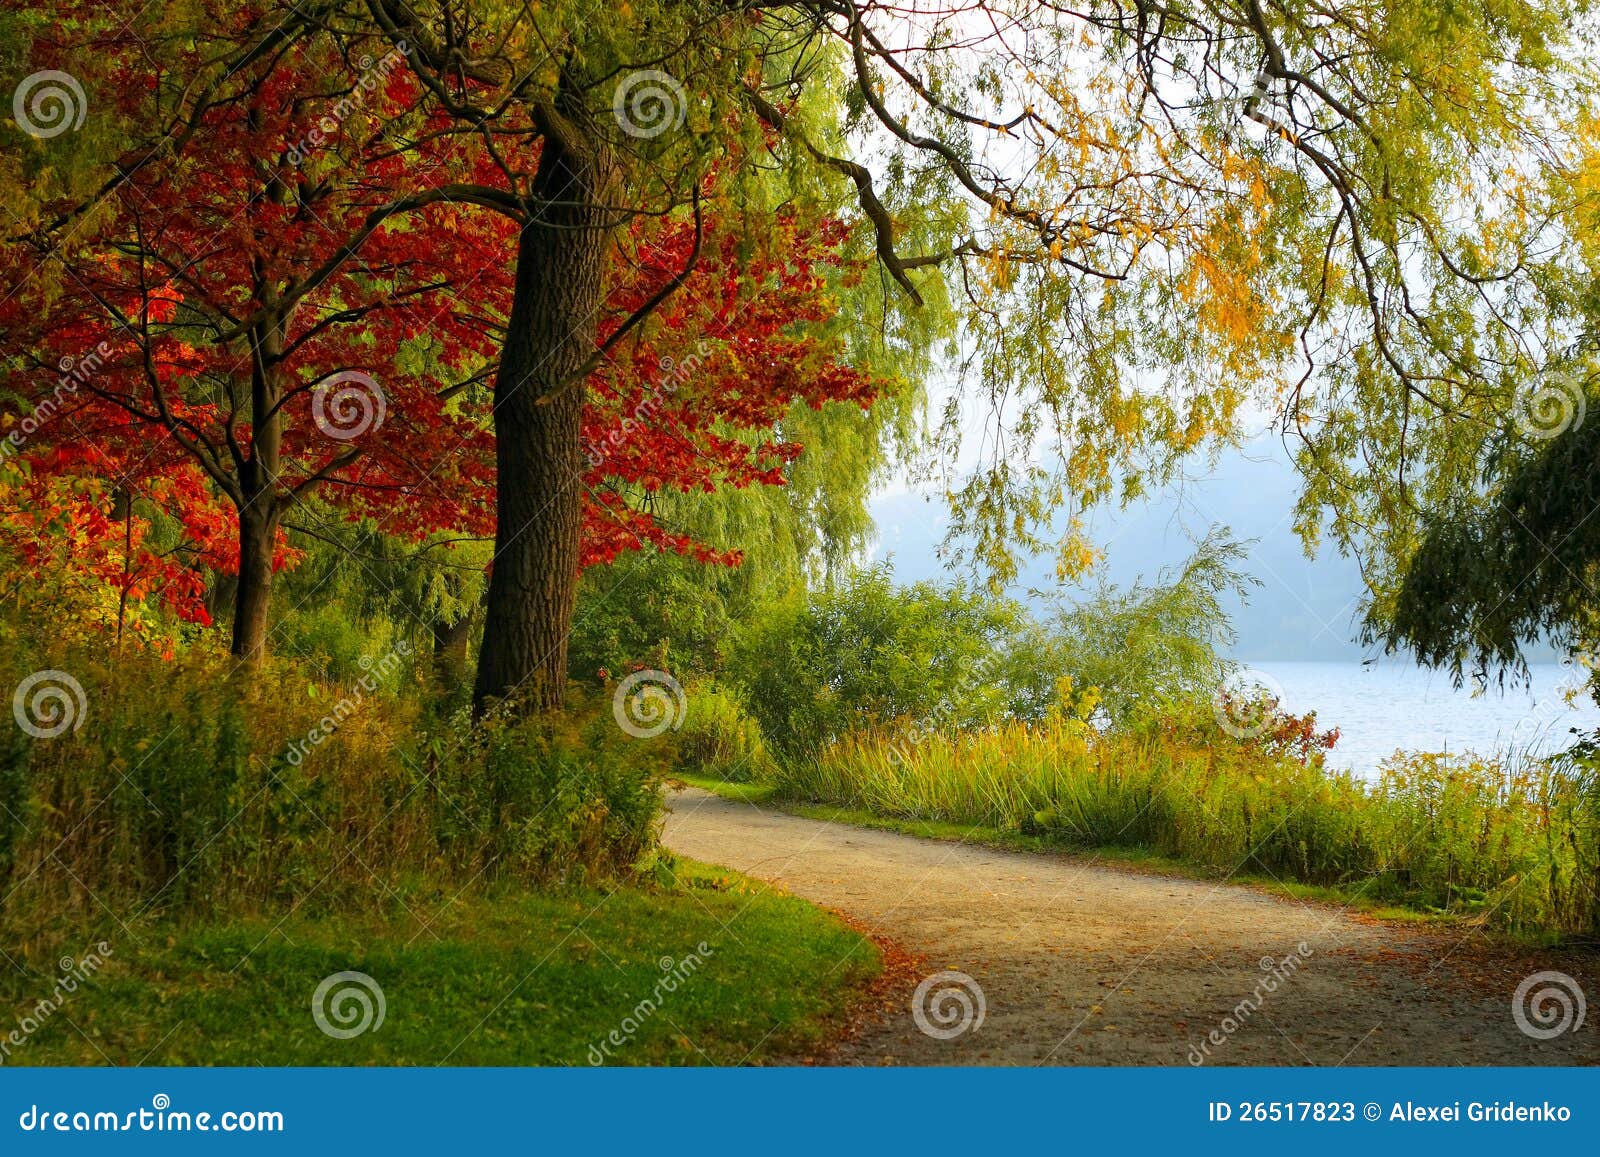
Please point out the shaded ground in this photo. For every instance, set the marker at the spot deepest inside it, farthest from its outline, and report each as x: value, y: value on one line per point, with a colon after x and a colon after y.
x: 1089, y: 965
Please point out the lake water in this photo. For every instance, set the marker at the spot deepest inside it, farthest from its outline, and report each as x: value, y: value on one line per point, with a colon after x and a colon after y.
x: 1385, y: 706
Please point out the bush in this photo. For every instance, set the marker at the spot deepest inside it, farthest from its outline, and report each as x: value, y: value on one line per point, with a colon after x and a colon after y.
x: 552, y: 801
x: 848, y: 658
x: 868, y: 654
x: 669, y: 614
x: 719, y: 739
x: 1153, y: 647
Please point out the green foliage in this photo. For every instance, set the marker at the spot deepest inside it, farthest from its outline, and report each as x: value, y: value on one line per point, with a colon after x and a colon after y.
x: 357, y: 581
x: 719, y: 739
x: 1152, y: 646
x: 560, y: 800
x: 867, y: 652
x: 651, y: 609
x: 193, y: 784
x: 1491, y: 578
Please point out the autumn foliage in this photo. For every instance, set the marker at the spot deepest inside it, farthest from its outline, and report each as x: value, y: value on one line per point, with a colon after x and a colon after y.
x: 278, y: 299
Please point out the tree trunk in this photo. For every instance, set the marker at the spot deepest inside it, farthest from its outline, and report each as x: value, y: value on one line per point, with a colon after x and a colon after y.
x: 559, y: 290
x: 261, y: 507
x: 450, y: 646
x: 258, y: 532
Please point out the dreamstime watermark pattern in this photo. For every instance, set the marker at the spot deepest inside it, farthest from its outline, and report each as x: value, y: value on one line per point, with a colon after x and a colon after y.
x: 1268, y: 105
x: 674, y: 374
x: 348, y: 405
x: 347, y: 1004
x: 648, y: 703
x: 1245, y: 702
x: 49, y: 103
x: 47, y: 704
x: 376, y: 673
x: 948, y: 1004
x: 372, y: 74
x: 74, y: 373
x: 1548, y: 1004
x: 648, y: 103
x: 1275, y: 972
x: 928, y: 724
x: 73, y: 972
x: 1551, y: 408
x: 675, y: 974
x: 1548, y: 709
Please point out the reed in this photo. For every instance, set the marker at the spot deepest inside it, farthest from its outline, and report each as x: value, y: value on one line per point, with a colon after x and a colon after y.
x: 1513, y: 841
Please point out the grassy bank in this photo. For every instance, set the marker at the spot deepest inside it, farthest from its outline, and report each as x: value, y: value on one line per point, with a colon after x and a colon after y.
x: 501, y: 978
x: 1515, y: 846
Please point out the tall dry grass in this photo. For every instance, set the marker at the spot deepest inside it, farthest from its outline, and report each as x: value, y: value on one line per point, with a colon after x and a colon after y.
x: 190, y: 785
x: 1516, y: 842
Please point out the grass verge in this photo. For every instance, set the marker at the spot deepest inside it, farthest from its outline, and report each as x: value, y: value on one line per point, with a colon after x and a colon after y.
x: 507, y: 978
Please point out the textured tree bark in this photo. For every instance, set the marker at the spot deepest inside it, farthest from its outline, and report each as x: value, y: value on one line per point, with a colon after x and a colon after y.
x: 261, y: 508
x: 258, y: 532
x: 559, y: 290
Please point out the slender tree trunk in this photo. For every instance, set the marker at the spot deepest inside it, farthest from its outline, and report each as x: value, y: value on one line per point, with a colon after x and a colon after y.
x: 253, y: 592
x: 262, y: 508
x: 559, y: 290
x: 450, y: 646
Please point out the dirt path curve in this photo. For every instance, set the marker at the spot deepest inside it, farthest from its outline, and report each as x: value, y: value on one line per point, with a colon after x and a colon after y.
x: 1085, y: 964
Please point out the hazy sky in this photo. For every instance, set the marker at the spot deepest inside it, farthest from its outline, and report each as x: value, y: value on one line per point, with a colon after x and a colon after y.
x: 1305, y: 609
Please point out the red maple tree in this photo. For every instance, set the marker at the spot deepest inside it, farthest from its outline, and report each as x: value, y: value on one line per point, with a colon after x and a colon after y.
x: 252, y: 311
x: 307, y: 293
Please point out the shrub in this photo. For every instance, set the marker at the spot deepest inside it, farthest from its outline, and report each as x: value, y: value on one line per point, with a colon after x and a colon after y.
x: 1152, y: 647
x: 847, y: 658
x: 568, y: 800
x: 720, y: 739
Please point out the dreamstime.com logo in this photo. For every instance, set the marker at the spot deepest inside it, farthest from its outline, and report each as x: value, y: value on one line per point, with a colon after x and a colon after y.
x: 160, y: 1117
x: 74, y: 373
x: 49, y: 103
x: 375, y: 674
x: 1548, y: 1004
x: 948, y: 1004
x: 48, y: 704
x: 1245, y: 703
x: 647, y: 703
x: 646, y: 410
x: 347, y: 1004
x: 1551, y: 408
x: 674, y: 975
x: 648, y: 103
x: 347, y: 405
x: 73, y: 972
x: 1274, y: 974
x: 373, y: 74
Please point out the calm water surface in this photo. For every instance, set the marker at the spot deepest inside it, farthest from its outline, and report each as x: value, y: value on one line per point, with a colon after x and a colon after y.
x: 1388, y: 706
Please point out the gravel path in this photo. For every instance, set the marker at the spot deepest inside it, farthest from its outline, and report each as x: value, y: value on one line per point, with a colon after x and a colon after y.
x: 1081, y: 964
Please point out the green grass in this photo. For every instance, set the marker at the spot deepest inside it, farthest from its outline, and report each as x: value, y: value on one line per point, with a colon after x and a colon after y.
x: 507, y: 978
x: 756, y: 793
